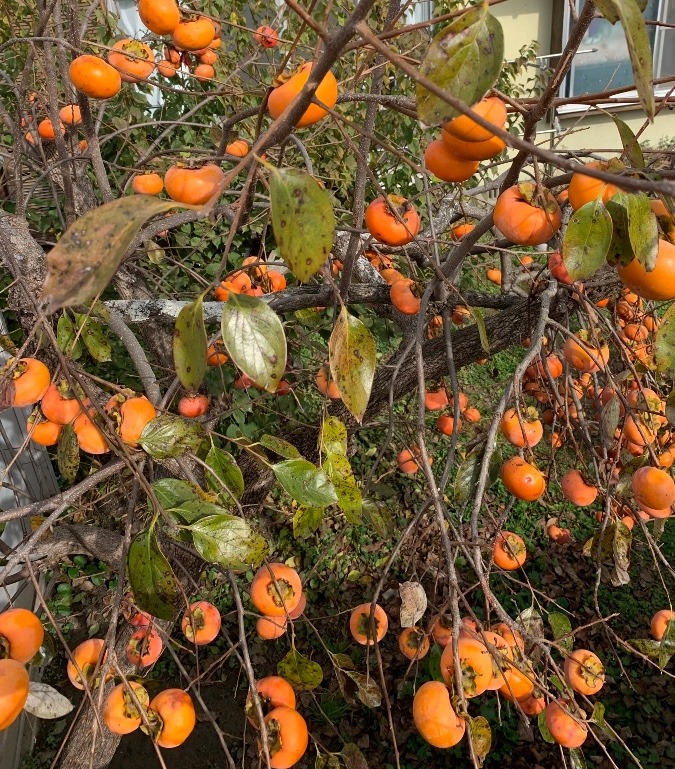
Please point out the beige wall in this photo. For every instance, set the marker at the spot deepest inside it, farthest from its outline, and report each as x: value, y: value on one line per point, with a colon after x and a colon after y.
x: 527, y: 20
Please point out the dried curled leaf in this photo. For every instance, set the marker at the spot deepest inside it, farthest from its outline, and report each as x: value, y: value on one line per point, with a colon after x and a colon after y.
x: 413, y: 603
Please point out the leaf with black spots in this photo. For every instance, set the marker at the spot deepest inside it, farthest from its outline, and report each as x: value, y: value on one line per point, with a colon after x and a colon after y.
x: 189, y: 345
x: 152, y: 580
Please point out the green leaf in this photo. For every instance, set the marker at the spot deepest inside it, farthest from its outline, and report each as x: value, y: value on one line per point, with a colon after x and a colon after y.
x: 340, y: 473
x: 227, y: 470
x: 254, y: 338
x: 609, y: 420
x: 647, y: 646
x: 352, y: 357
x: 607, y: 9
x: 279, y: 446
x: 587, y: 240
x: 151, y: 577
x: 94, y: 339
x: 480, y: 735
x: 468, y: 472
x: 664, y: 344
x: 464, y: 59
x: 577, y: 760
x: 169, y: 435
x: 189, y: 345
x: 333, y: 438
x: 65, y: 338
x: 305, y: 483
x: 68, y: 454
x: 227, y: 540
x: 172, y: 492
x: 620, y: 250
x: 643, y: 231
x: 631, y: 147
x: 639, y: 50
x: 302, y: 220
x: 434, y: 662
x: 89, y: 252
x: 562, y: 629
x: 303, y: 674
x: 377, y: 516
x: 543, y: 728
x: 479, y: 317
x: 306, y: 521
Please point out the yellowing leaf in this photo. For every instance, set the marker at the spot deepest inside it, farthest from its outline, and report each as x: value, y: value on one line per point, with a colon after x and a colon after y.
x: 464, y: 59
x: 664, y: 344
x: 83, y: 262
x: 303, y: 221
x: 352, y: 358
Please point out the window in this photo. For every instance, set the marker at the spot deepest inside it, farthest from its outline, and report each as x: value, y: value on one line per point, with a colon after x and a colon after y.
x: 605, y: 64
x: 419, y: 11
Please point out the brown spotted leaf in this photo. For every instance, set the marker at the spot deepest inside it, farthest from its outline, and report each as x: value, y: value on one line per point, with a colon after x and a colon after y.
x: 68, y: 454
x: 352, y: 358
x: 89, y: 252
x: 303, y: 221
x: 189, y: 345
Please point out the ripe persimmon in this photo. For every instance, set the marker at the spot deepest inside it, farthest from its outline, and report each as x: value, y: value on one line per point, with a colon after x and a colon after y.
x: 120, y: 713
x: 403, y: 298
x: 133, y: 59
x: 447, y: 425
x: 660, y: 621
x: 434, y: 716
x: 473, y: 150
x: 144, y: 648
x: 527, y: 216
x: 271, y: 628
x: 413, y: 643
x: 193, y: 186
x: 326, y: 385
x: 584, y: 672
x: 583, y: 189
x: 501, y: 654
x: 527, y: 432
x: 201, y: 623
x: 494, y: 275
x: 215, y: 354
x: 59, y: 404
x: 360, y: 626
x: 266, y: 37
x: 287, y: 737
x: 21, y: 634
x: 132, y: 415
x: 89, y: 437
x: 147, y: 184
x: 556, y: 266
x: 576, y: 490
x: 274, y: 692
x: 522, y: 479
x: 653, y: 487
x: 44, y: 433
x: 285, y: 94
x: 442, y: 163
x: 276, y: 589
x: 70, y: 115
x: 582, y: 355
x: 46, y: 129
x: 408, y: 460
x: 239, y: 148
x: 159, y: 16
x: 177, y: 715
x: 94, y: 77
x: 166, y: 69
x: 441, y: 630
x: 14, y: 683
x: 388, y: 228
x: 509, y: 551
x: 435, y: 400
x: 517, y: 684
x: 512, y: 637
x: 299, y: 609
x: 493, y: 109
x: 30, y: 380
x: 193, y: 33
x: 87, y: 657
x: 192, y: 406
x: 533, y: 706
x: 204, y: 72
x: 475, y: 663
x: 566, y: 729
x: 657, y: 284
x: 210, y: 57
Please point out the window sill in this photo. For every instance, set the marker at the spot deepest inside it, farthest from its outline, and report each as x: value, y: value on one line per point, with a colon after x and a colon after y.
x: 574, y: 110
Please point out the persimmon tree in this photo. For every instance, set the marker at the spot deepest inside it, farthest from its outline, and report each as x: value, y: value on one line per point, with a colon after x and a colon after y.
x: 246, y: 261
